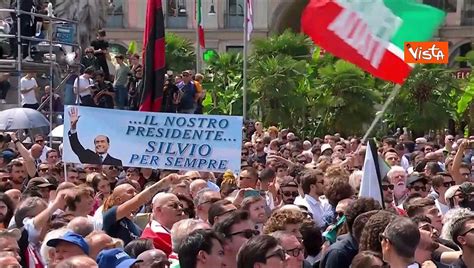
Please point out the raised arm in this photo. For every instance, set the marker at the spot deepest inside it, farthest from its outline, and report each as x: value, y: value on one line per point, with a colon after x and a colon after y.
x: 458, y: 178
x: 125, y: 209
x: 29, y: 161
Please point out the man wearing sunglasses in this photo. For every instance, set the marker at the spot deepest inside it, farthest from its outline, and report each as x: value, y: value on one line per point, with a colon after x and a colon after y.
x: 237, y: 229
x: 292, y: 247
x: 288, y: 191
x: 463, y: 236
x: 418, y: 183
x: 441, y: 184
x: 262, y: 251
x: 388, y: 197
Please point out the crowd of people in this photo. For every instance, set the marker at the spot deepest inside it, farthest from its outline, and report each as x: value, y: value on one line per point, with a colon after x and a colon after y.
x: 295, y: 203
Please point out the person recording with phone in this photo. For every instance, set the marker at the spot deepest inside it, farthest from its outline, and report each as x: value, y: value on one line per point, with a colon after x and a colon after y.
x: 83, y: 86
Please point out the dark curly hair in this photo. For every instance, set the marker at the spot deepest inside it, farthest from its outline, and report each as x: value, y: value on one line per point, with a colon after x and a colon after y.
x: 10, y: 208
x: 359, y: 206
x: 376, y: 225
x: 337, y: 189
x: 280, y: 218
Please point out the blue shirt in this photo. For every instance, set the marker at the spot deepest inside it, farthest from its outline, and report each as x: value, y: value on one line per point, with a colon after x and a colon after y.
x: 123, y: 228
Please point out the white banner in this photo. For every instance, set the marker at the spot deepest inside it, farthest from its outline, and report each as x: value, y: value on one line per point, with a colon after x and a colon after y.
x: 153, y: 140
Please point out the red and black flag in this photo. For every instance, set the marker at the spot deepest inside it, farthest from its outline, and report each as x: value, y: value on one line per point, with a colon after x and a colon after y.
x: 153, y: 58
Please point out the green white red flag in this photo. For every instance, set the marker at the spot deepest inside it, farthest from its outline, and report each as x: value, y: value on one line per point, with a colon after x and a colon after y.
x: 371, y: 33
x: 200, y: 24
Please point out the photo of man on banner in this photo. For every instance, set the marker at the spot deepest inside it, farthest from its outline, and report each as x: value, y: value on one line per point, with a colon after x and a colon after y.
x: 102, y: 143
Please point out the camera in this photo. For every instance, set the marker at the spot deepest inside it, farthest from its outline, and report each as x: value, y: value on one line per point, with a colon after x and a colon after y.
x: 6, y: 138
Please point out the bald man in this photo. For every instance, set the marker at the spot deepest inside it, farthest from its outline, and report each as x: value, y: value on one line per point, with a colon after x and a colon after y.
x: 77, y: 262
x: 196, y: 186
x: 153, y: 258
x: 81, y: 225
x: 36, y: 151
x: 98, y: 241
x: 15, y: 196
x: 167, y: 210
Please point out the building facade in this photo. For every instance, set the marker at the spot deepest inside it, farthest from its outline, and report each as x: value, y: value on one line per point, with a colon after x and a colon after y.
x: 223, y: 21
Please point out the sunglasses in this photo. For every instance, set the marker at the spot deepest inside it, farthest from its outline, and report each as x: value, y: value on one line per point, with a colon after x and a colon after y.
x: 212, y: 201
x: 279, y: 253
x: 339, y: 214
x: 468, y: 231
x: 39, y: 141
x: 294, y: 252
x: 292, y: 194
x: 449, y: 184
x: 388, y: 186
x: 44, y: 169
x: 247, y: 233
x: 226, y: 212
x: 418, y: 188
x: 5, y: 179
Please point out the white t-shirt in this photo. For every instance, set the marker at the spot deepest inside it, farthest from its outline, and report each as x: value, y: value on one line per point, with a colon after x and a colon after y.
x: 81, y: 83
x: 29, y: 97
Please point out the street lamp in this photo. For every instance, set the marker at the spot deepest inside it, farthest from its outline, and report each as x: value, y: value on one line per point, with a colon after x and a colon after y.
x: 212, y: 11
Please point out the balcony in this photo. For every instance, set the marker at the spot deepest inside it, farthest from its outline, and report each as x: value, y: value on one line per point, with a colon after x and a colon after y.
x: 234, y: 21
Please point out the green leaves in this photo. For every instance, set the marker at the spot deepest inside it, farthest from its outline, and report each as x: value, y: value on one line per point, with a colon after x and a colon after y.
x: 466, y: 97
x: 180, y: 54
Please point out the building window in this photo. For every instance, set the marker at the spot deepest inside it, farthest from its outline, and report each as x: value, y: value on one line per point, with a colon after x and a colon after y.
x: 235, y: 14
x: 176, y: 14
x: 234, y: 49
x: 115, y: 15
x: 446, y: 5
x: 467, y: 14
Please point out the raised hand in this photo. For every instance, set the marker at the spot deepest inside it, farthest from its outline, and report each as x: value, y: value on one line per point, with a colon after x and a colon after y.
x: 73, y: 117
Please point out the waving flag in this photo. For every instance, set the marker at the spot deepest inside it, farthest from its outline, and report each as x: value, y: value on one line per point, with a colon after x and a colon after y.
x: 371, y: 33
x: 153, y: 58
x: 200, y: 25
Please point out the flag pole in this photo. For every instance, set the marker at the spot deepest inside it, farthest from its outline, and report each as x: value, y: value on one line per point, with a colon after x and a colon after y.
x: 198, y: 45
x: 244, y: 86
x: 379, y: 115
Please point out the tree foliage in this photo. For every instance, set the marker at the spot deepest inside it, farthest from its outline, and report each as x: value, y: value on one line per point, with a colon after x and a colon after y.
x: 180, y: 53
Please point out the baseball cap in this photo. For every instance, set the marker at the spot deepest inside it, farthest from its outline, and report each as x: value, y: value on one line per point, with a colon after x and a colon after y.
x: 40, y: 182
x: 115, y: 258
x: 451, y: 192
x: 325, y: 147
x: 466, y: 187
x: 416, y: 176
x: 72, y: 238
x: 288, y: 181
x: 8, y: 155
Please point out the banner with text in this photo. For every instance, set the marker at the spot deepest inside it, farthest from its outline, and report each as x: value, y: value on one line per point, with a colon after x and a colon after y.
x: 153, y: 140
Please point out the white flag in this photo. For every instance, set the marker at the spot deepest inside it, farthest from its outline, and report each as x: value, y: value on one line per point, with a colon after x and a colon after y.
x: 373, y: 172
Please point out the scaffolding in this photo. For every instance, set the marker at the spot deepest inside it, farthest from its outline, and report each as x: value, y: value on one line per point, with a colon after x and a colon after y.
x: 62, y: 69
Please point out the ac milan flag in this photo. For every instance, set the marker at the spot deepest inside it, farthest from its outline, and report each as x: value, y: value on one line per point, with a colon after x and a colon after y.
x: 371, y: 33
x: 153, y: 58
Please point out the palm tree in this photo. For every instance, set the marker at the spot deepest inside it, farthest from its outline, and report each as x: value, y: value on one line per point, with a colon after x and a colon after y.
x: 426, y: 101
x: 180, y: 54
x: 344, y: 97
x: 225, y: 86
x: 278, y: 83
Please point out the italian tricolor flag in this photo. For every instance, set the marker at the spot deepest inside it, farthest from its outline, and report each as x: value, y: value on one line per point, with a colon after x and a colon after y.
x: 200, y: 25
x: 371, y: 33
